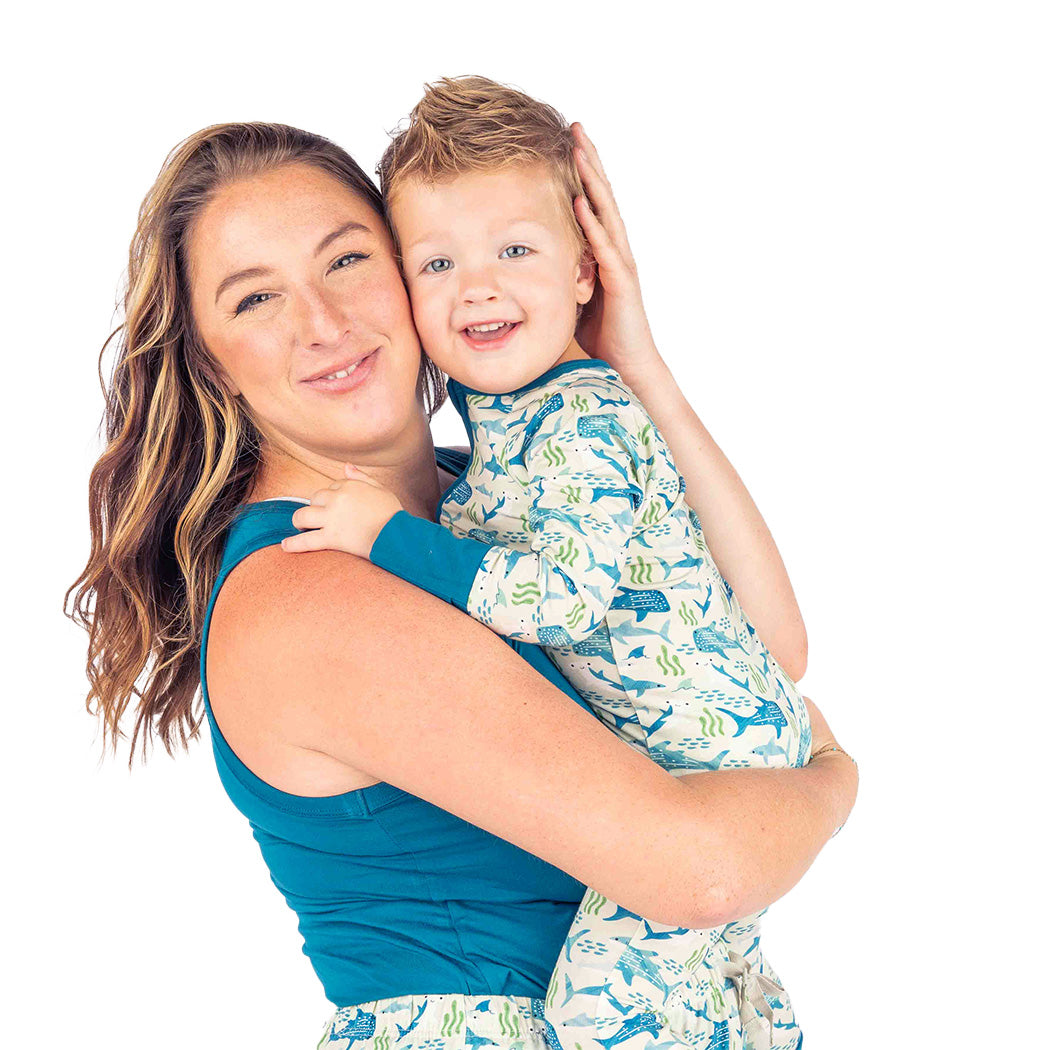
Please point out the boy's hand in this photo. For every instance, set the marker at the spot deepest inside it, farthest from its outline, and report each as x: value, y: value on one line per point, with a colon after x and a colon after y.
x: 613, y: 326
x: 346, y: 516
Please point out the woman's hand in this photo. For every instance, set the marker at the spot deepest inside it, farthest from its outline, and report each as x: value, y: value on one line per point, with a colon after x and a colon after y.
x: 346, y: 516
x: 613, y: 325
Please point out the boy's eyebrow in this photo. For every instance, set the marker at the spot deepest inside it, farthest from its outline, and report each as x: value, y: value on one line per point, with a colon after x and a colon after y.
x: 429, y: 236
x: 258, y: 271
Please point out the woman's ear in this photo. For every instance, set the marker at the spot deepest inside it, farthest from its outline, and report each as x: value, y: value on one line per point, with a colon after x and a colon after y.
x: 586, y: 272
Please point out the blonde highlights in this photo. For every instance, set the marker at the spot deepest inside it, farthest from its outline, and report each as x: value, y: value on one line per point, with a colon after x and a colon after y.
x: 473, y: 124
x: 181, y: 450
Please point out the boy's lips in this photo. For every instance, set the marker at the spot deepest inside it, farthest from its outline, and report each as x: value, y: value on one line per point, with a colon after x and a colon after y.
x: 490, y: 340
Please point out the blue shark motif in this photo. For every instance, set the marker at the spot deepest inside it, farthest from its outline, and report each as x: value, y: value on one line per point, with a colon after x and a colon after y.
x: 602, y: 427
x: 768, y: 714
x: 488, y: 515
x: 638, y: 963
x: 634, y: 654
x: 652, y: 935
x: 615, y: 402
x: 720, y: 1038
x: 570, y: 991
x: 539, y: 516
x: 485, y: 537
x: 665, y: 714
x: 632, y: 494
x: 494, y: 467
x: 770, y: 750
x: 597, y: 644
x: 647, y: 1022
x: 712, y: 640
x: 403, y: 1031
x: 666, y: 756
x: 556, y: 636
x: 552, y: 404
x: 474, y: 1041
x: 460, y: 492
x: 361, y: 1026
x: 612, y: 462
x: 641, y: 602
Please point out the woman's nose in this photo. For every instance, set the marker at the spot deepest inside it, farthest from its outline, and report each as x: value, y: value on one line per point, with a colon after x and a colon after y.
x: 322, y: 320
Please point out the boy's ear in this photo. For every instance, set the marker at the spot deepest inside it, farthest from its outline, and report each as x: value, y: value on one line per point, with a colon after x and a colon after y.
x: 586, y: 273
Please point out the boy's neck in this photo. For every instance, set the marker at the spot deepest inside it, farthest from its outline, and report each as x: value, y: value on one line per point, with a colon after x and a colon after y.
x: 573, y: 352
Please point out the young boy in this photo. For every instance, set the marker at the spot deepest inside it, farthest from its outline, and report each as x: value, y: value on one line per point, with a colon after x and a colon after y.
x: 569, y: 528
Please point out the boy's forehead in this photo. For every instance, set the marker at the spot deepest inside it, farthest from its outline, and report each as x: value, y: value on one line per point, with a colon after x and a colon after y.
x: 512, y: 193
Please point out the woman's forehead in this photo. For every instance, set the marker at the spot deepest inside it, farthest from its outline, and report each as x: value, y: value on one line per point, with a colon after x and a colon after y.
x: 292, y: 208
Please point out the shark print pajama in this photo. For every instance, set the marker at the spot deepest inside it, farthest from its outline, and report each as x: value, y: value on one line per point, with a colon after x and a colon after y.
x: 439, y: 1022
x: 571, y: 522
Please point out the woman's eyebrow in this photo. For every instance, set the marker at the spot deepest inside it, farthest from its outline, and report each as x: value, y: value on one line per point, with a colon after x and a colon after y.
x: 258, y: 271
x: 240, y: 275
x: 336, y: 234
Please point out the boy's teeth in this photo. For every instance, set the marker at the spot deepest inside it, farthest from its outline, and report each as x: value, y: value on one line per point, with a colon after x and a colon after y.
x: 487, y: 327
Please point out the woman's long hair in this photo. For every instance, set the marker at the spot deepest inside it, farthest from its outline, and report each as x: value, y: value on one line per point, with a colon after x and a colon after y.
x: 181, y: 450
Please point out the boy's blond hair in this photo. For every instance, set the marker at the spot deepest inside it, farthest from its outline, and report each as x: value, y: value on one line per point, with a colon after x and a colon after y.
x: 471, y: 124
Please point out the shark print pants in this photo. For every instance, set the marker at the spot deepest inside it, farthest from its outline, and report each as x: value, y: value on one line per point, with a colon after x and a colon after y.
x: 439, y: 1022
x: 666, y: 988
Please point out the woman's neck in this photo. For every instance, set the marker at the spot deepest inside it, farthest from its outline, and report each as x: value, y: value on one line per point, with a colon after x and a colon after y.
x: 406, y: 467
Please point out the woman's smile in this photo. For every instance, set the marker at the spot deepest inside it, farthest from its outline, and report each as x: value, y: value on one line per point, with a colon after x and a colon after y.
x: 345, y: 376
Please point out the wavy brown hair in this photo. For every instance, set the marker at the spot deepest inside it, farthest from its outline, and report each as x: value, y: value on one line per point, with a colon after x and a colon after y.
x: 181, y: 450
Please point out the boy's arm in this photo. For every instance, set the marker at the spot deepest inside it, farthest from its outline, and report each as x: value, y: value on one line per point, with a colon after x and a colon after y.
x: 587, y: 481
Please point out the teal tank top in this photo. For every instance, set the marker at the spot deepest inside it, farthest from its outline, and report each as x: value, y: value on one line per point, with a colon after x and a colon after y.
x: 395, y: 896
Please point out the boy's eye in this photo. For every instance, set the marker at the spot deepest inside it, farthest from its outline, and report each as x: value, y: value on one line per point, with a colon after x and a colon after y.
x: 250, y: 302
x: 515, y: 251
x: 438, y: 266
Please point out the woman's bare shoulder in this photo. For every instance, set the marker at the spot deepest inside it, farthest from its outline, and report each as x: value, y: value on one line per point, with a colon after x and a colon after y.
x: 325, y: 655
x: 260, y: 614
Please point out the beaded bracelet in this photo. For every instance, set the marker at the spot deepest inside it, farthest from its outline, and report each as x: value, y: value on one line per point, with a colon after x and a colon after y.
x: 832, y: 747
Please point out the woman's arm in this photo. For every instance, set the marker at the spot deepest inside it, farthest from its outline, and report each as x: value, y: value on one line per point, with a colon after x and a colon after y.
x: 615, y: 329
x: 325, y: 653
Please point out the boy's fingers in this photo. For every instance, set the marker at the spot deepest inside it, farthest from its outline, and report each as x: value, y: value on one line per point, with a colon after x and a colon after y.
x: 318, y: 499
x: 353, y: 474
x: 309, y: 517
x: 305, y: 541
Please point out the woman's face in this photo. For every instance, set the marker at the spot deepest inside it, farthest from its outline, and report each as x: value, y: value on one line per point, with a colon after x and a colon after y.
x: 297, y: 295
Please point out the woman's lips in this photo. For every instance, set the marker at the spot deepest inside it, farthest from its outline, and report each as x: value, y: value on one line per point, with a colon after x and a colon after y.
x: 363, y: 369
x: 490, y: 340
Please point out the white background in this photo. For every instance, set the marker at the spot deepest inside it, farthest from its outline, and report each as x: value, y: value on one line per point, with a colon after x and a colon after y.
x: 840, y: 214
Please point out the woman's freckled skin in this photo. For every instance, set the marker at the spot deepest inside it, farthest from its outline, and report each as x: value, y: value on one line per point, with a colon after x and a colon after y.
x: 314, y: 309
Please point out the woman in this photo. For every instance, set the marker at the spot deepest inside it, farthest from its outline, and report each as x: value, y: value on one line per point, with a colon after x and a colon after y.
x: 430, y: 805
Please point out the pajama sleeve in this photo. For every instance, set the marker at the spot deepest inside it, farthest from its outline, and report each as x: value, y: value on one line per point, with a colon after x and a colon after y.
x: 586, y: 483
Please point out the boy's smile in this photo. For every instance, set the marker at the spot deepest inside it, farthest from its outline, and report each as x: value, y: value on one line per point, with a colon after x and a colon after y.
x: 494, y: 274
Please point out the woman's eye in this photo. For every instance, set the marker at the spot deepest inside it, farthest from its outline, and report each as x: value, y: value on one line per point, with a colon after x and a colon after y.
x: 438, y: 266
x: 346, y: 260
x: 515, y: 251
x: 250, y: 302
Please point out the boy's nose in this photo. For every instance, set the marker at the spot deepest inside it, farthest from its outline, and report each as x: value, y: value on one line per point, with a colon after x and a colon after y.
x: 480, y: 287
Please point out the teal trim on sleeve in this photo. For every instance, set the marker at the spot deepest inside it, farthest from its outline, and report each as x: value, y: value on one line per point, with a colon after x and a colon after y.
x: 430, y: 557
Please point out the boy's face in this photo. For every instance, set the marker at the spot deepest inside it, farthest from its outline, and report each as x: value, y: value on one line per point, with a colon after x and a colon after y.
x: 485, y: 249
